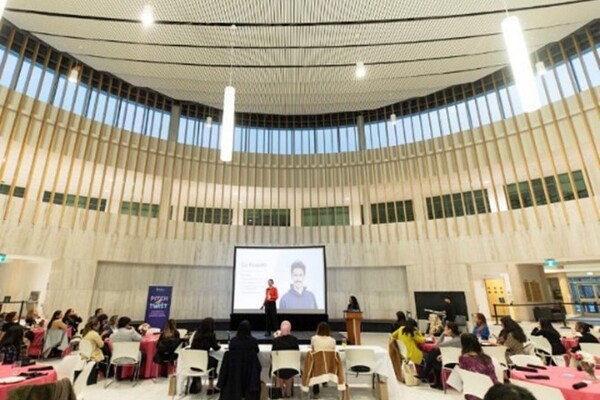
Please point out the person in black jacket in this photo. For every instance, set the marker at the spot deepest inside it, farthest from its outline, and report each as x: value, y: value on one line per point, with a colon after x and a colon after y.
x: 584, y: 335
x: 205, y: 339
x: 449, y: 309
x: 12, y: 338
x: 286, y: 341
x: 546, y: 330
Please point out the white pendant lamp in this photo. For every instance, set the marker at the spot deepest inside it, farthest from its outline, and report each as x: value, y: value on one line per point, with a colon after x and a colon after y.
x: 147, y: 16
x: 520, y: 64
x: 74, y: 75
x: 2, y: 7
x: 228, y: 123
x: 360, y: 71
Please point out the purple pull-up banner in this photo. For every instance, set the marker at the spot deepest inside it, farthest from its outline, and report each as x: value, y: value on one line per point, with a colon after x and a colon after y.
x: 158, y: 305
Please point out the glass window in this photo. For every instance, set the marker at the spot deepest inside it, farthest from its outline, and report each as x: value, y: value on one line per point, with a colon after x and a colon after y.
x: 267, y: 217
x: 140, y: 209
x: 326, y: 216
x: 208, y: 215
x: 18, y: 191
x: 457, y: 204
x: 395, y: 211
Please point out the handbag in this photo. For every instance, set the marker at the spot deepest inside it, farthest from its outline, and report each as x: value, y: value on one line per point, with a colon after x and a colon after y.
x: 172, y: 391
x: 409, y: 372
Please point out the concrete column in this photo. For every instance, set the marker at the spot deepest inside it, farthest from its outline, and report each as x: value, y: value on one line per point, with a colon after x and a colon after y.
x: 360, y: 127
x: 71, y: 284
x: 167, y: 181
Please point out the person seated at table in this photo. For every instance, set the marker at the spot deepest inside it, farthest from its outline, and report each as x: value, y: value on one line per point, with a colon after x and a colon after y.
x: 243, y: 339
x: 322, y: 340
x: 473, y: 359
x: 433, y: 360
x: 57, y: 338
x: 102, y: 321
x: 508, y: 391
x: 512, y: 336
x: 12, y: 338
x: 481, y: 329
x: 110, y: 327
x: 97, y: 312
x: 353, y: 304
x: 582, y: 332
x: 125, y: 332
x: 285, y: 341
x: 205, y: 339
x: 90, y: 334
x: 33, y: 320
x: 72, y: 320
x: 400, y: 321
x: 167, y: 344
x: 435, y: 326
x: 411, y: 337
x: 546, y: 330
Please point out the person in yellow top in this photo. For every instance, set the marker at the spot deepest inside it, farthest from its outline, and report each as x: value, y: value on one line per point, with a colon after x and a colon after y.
x: 411, y: 337
x: 90, y: 333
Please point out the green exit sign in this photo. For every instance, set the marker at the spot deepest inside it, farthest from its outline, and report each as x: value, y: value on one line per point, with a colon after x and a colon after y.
x: 3, y: 257
x: 550, y: 263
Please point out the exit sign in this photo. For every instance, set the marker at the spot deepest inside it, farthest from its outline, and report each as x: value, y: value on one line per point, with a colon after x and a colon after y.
x: 3, y: 257
x: 550, y: 263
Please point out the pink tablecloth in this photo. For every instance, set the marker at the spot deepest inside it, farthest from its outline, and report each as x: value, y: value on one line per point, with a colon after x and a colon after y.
x: 563, y: 379
x: 36, y: 347
x: 7, y: 370
x: 428, y: 346
x: 148, y: 369
x: 569, y: 343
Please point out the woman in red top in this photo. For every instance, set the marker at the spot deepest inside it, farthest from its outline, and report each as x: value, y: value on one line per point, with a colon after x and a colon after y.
x: 271, y: 296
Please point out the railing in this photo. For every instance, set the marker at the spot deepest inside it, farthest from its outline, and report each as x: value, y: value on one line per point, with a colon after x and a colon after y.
x: 21, y: 307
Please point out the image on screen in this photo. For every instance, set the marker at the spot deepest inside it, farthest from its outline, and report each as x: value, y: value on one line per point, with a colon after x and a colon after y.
x: 299, y: 274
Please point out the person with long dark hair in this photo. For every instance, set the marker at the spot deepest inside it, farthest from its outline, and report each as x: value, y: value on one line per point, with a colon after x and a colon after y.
x: 353, y: 304
x: 243, y: 339
x: 400, y: 321
x: 512, y: 336
x: 72, y: 320
x: 481, y: 329
x: 411, y: 337
x: 546, y: 330
x: 473, y: 359
x: 11, y: 339
x: 583, y: 334
x: 205, y: 339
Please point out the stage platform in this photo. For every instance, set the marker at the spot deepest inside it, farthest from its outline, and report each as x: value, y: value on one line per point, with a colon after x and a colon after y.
x: 303, y: 336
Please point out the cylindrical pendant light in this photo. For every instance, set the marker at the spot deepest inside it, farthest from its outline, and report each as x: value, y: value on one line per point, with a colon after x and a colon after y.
x: 520, y: 64
x: 74, y: 75
x: 2, y: 6
x: 228, y: 124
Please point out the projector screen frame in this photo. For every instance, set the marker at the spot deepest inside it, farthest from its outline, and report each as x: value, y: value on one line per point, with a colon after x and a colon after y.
x: 322, y: 247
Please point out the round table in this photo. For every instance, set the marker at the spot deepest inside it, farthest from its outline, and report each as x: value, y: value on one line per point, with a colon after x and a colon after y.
x: 7, y: 370
x: 563, y: 379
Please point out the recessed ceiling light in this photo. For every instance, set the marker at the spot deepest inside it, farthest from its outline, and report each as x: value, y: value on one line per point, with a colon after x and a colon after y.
x: 590, y: 273
x: 74, y: 74
x: 208, y: 122
x: 147, y: 16
x: 360, y: 71
x: 393, y: 119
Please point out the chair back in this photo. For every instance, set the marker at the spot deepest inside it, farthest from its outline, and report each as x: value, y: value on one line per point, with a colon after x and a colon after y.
x: 474, y: 383
x: 66, y: 367
x: 541, y: 343
x: 125, y: 353
x: 81, y: 381
x: 403, y: 350
x: 360, y: 357
x: 285, y: 359
x: 592, y: 348
x: 521, y: 360
x: 540, y: 391
x: 86, y: 348
x: 182, y: 332
x: 498, y: 352
x: 193, y: 358
x: 450, y: 355
x: 152, y: 331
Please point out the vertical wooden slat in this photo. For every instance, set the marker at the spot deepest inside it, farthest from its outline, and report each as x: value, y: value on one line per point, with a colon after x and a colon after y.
x: 157, y: 158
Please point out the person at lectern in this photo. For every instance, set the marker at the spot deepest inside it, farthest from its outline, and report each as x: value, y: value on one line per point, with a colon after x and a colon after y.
x: 298, y: 297
x: 449, y: 309
x: 353, y: 304
x: 271, y: 296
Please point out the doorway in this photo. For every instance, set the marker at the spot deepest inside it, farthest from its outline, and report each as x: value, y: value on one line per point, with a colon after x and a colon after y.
x: 496, y: 294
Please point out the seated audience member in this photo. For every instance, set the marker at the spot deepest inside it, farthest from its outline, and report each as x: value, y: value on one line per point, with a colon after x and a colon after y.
x: 125, y: 332
x: 322, y: 341
x: 97, y: 312
x: 512, y: 336
x: 433, y: 360
x: 72, y: 320
x: 12, y: 338
x: 2, y: 319
x: 57, y: 338
x: 474, y: 359
x: 243, y: 340
x: 400, y: 321
x: 110, y: 327
x: 481, y: 329
x: 546, y: 330
x: 508, y: 392
x: 286, y: 341
x: 90, y: 334
x: 435, y: 326
x: 33, y: 320
x: 168, y: 341
x: 102, y: 322
x: 353, y: 304
x: 582, y: 332
x: 205, y: 339
x: 411, y: 337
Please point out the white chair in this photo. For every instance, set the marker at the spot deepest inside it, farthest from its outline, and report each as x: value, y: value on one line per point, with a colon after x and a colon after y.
x: 66, y: 367
x: 196, y: 359
x: 81, y: 381
x: 182, y: 332
x: 403, y: 350
x: 124, y: 354
x: 543, y: 349
x: 497, y: 352
x: 521, y: 360
x: 85, y: 349
x: 498, y: 369
x: 360, y: 361
x: 152, y: 331
x: 284, y: 359
x: 450, y: 355
x: 540, y: 391
x: 474, y: 383
x: 592, y: 348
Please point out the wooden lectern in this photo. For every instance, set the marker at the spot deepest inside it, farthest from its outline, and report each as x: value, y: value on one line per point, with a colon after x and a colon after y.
x: 353, y: 320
